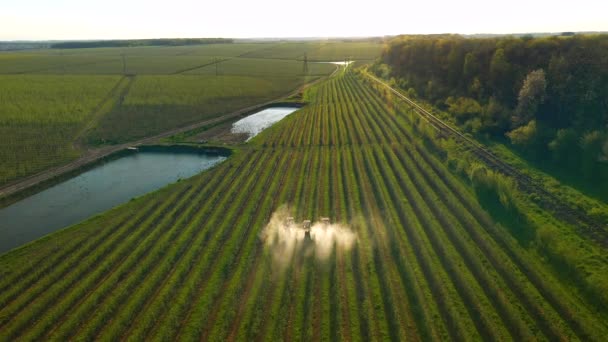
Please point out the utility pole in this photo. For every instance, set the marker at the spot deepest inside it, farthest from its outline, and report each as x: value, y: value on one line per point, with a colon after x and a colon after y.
x: 305, y: 70
x: 63, y: 63
x: 124, y: 64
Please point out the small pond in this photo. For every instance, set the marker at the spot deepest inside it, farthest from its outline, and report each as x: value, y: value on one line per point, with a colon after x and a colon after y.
x: 255, y: 123
x: 336, y: 63
x: 104, y: 186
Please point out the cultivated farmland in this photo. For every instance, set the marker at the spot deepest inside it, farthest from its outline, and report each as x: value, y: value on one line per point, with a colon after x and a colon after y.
x: 115, y: 99
x: 190, y: 261
x: 40, y: 116
x: 264, y: 67
x: 320, y: 51
x: 155, y: 103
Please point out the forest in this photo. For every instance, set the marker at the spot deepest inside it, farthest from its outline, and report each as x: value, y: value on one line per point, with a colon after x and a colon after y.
x: 545, y: 96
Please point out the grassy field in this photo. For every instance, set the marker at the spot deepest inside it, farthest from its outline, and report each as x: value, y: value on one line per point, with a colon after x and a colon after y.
x: 57, y: 103
x: 193, y: 262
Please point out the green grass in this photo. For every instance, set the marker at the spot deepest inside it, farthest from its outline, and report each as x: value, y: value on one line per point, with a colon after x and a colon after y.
x: 568, y: 186
x: 187, y: 262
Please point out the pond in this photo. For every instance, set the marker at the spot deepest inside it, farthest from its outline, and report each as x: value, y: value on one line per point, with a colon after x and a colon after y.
x: 336, y: 62
x: 255, y: 123
x: 104, y: 186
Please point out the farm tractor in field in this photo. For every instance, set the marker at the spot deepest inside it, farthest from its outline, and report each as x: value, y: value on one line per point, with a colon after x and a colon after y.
x: 305, y: 226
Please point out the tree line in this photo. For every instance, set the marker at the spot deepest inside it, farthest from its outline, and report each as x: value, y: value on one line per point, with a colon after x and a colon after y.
x: 548, y: 96
x: 140, y: 42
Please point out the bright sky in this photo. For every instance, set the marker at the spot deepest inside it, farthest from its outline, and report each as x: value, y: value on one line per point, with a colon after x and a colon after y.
x: 124, y: 19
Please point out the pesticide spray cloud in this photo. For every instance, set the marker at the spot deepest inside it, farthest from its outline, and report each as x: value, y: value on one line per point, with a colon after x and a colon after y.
x: 283, y: 239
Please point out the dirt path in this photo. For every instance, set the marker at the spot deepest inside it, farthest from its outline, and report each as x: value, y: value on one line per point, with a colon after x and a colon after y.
x: 115, y: 98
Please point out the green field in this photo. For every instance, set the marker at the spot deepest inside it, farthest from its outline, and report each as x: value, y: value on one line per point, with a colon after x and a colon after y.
x: 154, y: 104
x: 191, y: 261
x: 352, y: 50
x: 320, y: 51
x: 264, y: 67
x: 56, y: 104
x: 40, y: 116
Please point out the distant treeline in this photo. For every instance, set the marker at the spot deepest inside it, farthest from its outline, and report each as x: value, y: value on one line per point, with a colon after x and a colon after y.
x: 548, y: 95
x: 140, y: 42
x: 13, y: 46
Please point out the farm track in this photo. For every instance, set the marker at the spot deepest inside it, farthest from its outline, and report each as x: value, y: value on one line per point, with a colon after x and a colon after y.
x: 188, y: 264
x: 568, y: 212
x: 114, y: 99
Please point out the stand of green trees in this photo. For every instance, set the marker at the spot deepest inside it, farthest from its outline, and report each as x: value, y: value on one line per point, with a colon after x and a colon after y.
x: 549, y: 95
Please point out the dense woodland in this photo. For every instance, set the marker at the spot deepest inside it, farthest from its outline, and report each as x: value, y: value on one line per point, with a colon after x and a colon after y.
x: 548, y: 96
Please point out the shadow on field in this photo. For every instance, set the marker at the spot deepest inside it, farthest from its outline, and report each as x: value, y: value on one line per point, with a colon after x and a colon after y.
x: 510, y: 218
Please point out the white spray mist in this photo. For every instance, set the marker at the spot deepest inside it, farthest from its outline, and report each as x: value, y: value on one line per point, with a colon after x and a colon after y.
x: 282, y: 238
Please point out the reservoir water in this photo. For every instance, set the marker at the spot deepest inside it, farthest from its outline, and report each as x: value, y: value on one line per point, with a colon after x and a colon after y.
x: 95, y: 191
x: 255, y: 123
x: 336, y: 63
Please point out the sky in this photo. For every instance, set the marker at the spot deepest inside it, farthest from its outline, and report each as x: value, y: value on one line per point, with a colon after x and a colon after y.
x: 129, y: 19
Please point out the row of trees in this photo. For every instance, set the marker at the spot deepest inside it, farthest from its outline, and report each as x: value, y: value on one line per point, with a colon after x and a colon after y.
x: 140, y: 42
x: 548, y: 95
